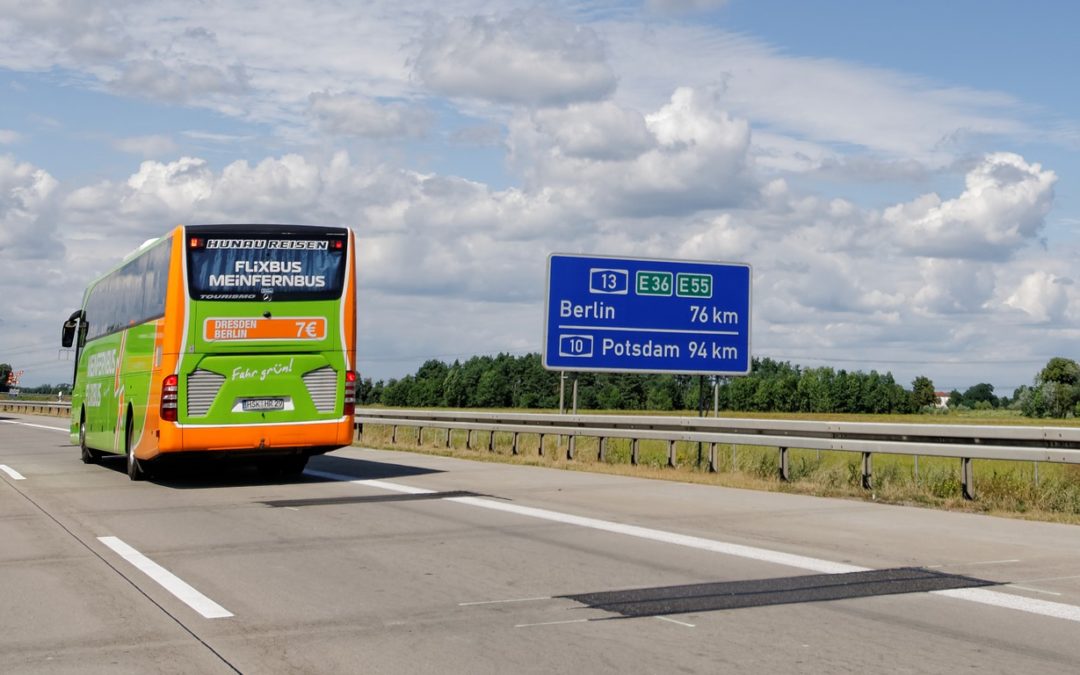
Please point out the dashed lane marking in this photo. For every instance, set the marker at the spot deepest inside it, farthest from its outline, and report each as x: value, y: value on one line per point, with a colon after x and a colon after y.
x: 167, y: 580
x: 15, y: 475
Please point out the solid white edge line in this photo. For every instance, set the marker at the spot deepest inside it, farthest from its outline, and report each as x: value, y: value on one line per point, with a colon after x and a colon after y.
x: 1057, y: 610
x: 670, y: 620
x: 36, y: 426
x: 700, y: 543
x: 551, y: 623
x: 378, y: 484
x: 980, y: 595
x: 1033, y: 590
x: 167, y: 580
x: 501, y: 602
x: 15, y: 475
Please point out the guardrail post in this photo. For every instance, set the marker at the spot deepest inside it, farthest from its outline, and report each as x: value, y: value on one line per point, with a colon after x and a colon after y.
x: 540, y: 450
x: 916, y: 469
x: 867, y: 470
x: 601, y: 454
x: 967, y: 478
x: 420, y: 436
x: 671, y: 454
x: 785, y: 467
x: 491, y: 441
x: 448, y: 430
x: 468, y: 440
x: 514, y: 445
x: 634, y: 452
x: 393, y: 434
x: 713, y: 468
x: 570, y: 447
x: 359, y: 429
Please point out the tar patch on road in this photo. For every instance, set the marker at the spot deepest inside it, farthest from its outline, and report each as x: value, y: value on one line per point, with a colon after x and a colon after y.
x: 763, y: 592
x: 376, y: 499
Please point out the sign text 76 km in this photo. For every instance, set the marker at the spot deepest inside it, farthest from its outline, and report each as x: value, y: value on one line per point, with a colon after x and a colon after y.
x: 641, y: 315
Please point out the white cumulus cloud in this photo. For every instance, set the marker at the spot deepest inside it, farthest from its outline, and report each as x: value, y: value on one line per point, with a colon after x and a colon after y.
x: 25, y: 193
x: 1042, y: 295
x: 691, y: 156
x: 1002, y: 209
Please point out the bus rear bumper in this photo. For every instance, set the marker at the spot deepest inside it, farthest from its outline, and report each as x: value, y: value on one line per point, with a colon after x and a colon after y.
x: 256, y: 439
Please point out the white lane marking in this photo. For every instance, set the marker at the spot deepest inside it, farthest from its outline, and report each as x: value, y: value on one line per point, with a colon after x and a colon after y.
x: 36, y: 426
x: 499, y: 602
x: 169, y: 581
x: 379, y: 484
x: 700, y: 543
x: 1071, y: 576
x: 669, y: 620
x: 979, y: 595
x: 1033, y: 590
x: 765, y: 555
x: 551, y: 623
x: 1057, y: 610
x: 15, y: 475
x: 971, y: 564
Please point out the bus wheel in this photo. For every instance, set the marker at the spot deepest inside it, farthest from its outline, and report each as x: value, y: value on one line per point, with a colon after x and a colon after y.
x: 134, y: 466
x: 89, y: 455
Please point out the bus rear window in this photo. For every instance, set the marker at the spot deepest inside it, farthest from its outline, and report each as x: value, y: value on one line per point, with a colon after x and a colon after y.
x: 265, y: 268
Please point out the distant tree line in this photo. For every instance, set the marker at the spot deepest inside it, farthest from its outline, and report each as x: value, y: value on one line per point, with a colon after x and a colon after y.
x: 1055, y: 392
x: 507, y: 381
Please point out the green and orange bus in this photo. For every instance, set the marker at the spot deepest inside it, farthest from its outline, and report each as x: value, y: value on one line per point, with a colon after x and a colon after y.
x: 236, y: 340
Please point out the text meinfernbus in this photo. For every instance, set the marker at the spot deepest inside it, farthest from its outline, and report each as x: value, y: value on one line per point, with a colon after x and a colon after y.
x: 223, y: 340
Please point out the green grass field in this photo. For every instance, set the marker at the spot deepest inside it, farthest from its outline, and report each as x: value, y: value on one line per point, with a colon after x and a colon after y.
x: 1001, y: 487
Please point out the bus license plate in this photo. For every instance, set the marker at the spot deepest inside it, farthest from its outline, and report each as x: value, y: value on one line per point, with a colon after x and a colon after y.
x: 260, y: 404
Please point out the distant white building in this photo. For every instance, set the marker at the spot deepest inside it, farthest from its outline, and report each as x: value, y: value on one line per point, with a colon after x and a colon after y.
x: 942, y: 399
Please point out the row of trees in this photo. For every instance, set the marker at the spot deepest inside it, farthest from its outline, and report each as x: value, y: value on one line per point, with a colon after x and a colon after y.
x: 507, y: 381
x: 1056, y: 392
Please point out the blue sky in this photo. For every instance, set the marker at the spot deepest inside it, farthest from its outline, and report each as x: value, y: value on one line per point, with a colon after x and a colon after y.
x: 903, y: 177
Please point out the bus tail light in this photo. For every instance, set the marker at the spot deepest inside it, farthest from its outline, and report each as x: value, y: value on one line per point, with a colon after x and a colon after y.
x: 350, y: 393
x: 169, y: 398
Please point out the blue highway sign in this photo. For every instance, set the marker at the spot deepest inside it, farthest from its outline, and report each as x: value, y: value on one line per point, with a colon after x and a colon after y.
x: 643, y: 315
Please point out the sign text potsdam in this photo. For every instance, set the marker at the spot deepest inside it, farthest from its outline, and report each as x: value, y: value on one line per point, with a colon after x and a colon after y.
x: 642, y: 315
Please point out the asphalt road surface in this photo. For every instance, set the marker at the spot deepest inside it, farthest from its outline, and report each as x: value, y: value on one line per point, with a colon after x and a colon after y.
x: 388, y: 562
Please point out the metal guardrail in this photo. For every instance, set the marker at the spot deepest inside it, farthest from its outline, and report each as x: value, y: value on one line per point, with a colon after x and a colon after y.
x: 36, y: 408
x: 964, y: 442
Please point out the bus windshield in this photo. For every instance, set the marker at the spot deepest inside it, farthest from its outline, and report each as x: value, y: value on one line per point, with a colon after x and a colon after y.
x: 265, y: 267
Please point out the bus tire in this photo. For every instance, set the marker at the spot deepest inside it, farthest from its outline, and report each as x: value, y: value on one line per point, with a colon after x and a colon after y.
x: 135, y: 468
x: 87, y: 454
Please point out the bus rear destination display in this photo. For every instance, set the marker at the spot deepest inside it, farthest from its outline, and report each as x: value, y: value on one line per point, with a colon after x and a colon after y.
x: 647, y: 315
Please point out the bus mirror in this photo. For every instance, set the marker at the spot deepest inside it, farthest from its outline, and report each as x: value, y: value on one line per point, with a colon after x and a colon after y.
x: 68, y: 335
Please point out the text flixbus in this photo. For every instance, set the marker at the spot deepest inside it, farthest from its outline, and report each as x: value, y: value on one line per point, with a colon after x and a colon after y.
x: 219, y: 339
